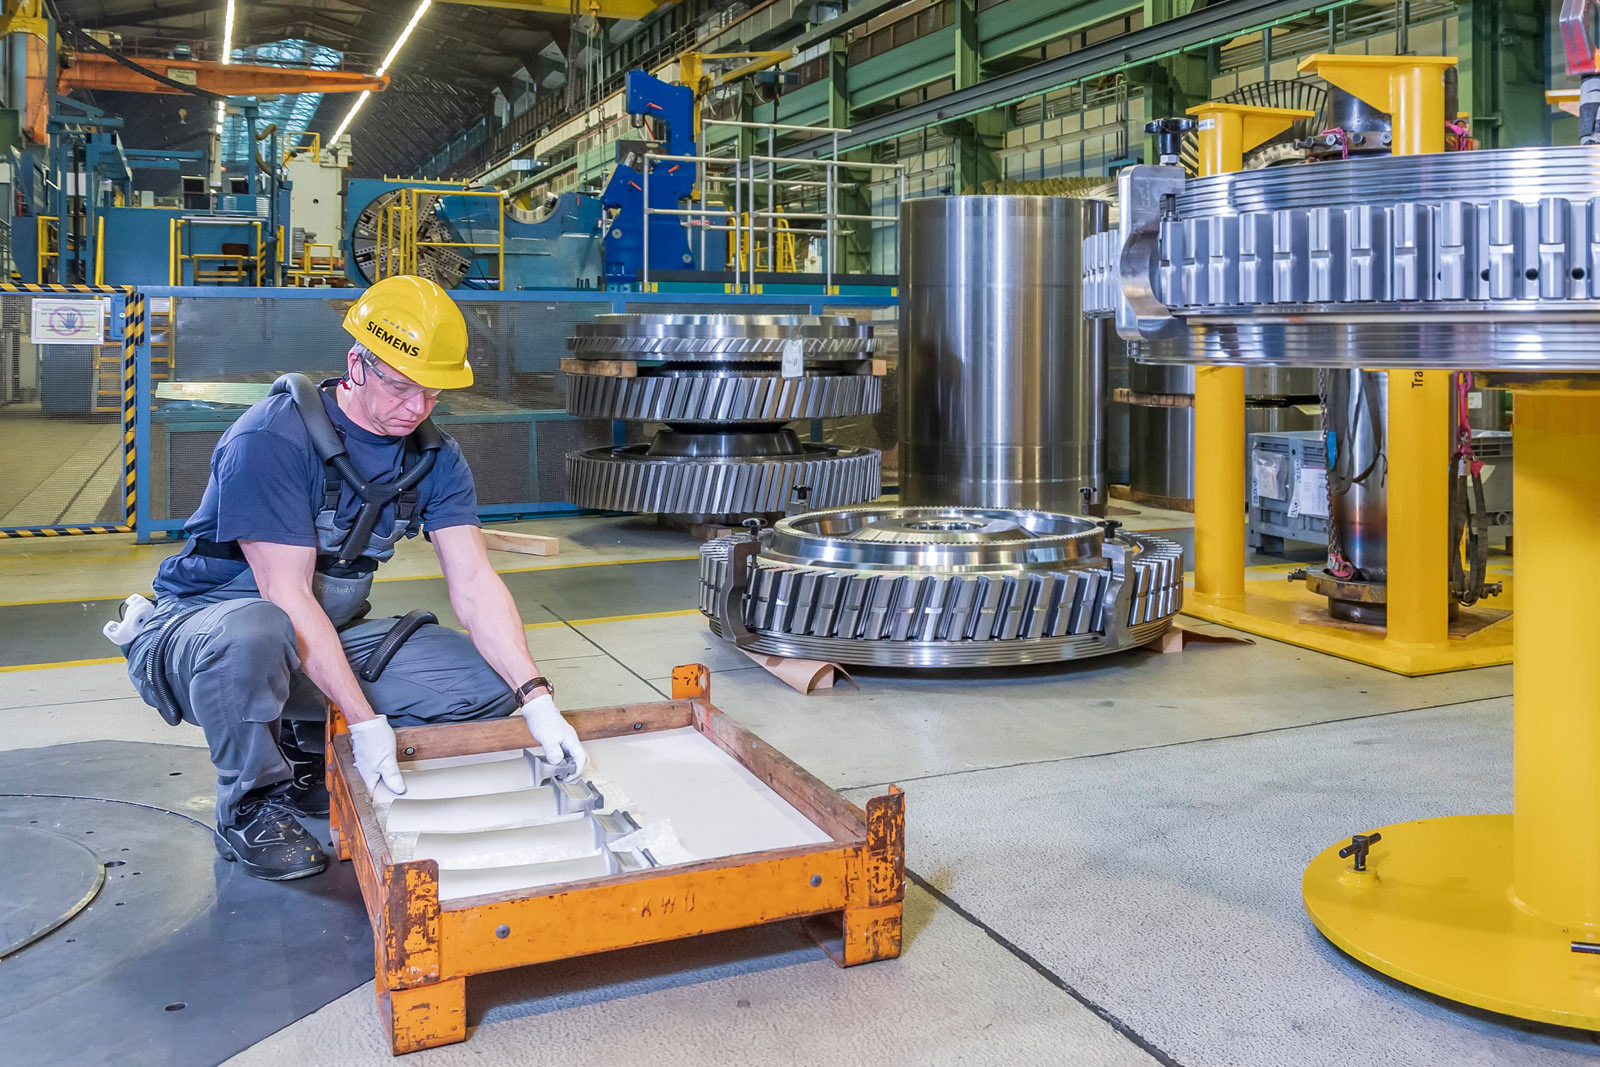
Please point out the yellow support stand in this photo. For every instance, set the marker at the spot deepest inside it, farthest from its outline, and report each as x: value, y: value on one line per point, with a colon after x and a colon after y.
x: 1226, y: 132
x: 1410, y: 89
x: 1503, y: 911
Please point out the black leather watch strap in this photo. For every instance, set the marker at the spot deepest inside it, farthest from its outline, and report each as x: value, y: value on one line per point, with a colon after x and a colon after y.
x: 525, y: 690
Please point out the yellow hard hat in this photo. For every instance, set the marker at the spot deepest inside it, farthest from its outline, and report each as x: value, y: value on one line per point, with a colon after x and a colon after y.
x: 413, y: 325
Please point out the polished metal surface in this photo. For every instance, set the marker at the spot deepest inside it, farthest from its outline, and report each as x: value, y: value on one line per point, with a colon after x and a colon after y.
x: 1358, y: 497
x: 1461, y: 260
x: 1478, y: 338
x: 947, y: 587
x: 1523, y: 174
x: 1003, y: 390
x: 1161, y: 452
x: 1168, y: 379
x: 1178, y: 379
x: 957, y: 540
x: 746, y: 397
x: 437, y: 260
x: 628, y: 479
x: 742, y: 443
x: 1117, y: 377
x: 1281, y: 418
x: 721, y: 338
x: 724, y: 384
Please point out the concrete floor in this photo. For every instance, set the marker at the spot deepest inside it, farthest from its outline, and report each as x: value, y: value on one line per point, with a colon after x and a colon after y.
x: 1104, y: 858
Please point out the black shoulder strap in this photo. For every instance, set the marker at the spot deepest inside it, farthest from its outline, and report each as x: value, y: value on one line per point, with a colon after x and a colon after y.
x: 407, y: 501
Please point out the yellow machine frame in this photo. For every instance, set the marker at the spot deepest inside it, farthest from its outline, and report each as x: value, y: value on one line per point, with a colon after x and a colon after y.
x: 1497, y: 911
x: 1417, y: 641
x: 396, y: 245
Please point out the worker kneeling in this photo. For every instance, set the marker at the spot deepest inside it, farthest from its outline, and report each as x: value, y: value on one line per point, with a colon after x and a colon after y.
x: 264, y: 610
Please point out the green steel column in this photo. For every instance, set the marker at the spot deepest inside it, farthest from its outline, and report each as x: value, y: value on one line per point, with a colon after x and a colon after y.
x: 975, y: 139
x: 1175, y: 84
x: 855, y: 247
x: 838, y: 81
x: 1503, y: 48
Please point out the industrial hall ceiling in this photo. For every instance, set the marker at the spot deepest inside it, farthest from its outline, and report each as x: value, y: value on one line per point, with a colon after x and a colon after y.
x: 440, y: 85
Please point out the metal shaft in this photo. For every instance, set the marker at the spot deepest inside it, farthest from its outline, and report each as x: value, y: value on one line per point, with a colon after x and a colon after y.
x: 1003, y: 380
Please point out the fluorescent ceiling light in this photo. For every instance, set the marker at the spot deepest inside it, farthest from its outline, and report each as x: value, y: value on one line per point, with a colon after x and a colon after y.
x: 227, y: 58
x: 345, y: 125
x: 383, y: 68
x: 416, y: 17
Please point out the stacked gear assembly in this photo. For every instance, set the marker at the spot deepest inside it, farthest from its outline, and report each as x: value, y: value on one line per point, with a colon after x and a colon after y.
x: 940, y: 587
x: 1414, y: 264
x: 724, y: 385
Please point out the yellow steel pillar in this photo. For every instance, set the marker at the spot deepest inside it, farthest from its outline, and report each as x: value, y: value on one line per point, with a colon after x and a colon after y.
x: 1556, y: 743
x: 1410, y: 89
x: 1503, y: 911
x: 1227, y: 132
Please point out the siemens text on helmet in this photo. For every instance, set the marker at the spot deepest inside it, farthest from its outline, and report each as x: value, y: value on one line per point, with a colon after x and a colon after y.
x: 392, y: 340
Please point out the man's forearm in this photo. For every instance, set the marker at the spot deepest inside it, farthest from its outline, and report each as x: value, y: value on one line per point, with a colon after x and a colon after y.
x: 495, y: 626
x: 322, y: 657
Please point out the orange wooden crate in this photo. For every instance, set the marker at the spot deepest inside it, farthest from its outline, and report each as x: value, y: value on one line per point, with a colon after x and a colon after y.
x: 849, y: 889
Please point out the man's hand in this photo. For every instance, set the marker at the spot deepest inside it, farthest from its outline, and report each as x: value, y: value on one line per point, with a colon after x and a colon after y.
x: 373, y: 741
x: 554, y: 734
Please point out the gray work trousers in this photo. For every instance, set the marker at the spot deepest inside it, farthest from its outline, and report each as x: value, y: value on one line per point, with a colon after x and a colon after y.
x: 235, y: 672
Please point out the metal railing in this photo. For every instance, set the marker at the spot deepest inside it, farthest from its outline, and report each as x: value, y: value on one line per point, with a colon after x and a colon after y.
x: 397, y: 244
x: 755, y: 172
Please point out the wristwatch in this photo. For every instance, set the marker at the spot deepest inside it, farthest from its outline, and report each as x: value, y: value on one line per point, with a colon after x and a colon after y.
x: 526, y: 688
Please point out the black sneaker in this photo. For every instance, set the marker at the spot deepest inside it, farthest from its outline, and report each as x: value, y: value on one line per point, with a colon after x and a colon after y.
x: 266, y: 840
x: 307, y: 791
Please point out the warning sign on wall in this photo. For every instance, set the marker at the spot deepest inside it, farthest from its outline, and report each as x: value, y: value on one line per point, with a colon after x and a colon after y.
x: 74, y: 321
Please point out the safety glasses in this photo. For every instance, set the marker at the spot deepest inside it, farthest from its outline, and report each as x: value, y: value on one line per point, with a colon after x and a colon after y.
x: 400, y: 390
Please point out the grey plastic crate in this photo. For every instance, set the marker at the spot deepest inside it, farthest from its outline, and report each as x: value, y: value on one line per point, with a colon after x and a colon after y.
x: 1276, y: 463
x: 1286, y: 478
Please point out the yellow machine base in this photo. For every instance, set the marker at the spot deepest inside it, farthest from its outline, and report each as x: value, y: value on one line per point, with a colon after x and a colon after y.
x: 1286, y: 611
x: 1434, y: 910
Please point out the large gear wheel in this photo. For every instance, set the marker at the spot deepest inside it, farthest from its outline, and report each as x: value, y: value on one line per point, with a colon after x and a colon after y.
x: 941, y: 587
x: 724, y: 385
x: 749, y: 397
x: 721, y: 338
x: 628, y: 478
x: 436, y: 261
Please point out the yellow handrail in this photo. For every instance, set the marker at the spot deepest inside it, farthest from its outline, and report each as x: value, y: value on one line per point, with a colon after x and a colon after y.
x: 44, y: 250
x: 397, y: 244
x: 296, y: 146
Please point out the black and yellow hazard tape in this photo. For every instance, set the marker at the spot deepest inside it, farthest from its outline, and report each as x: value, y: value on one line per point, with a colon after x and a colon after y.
x: 63, y: 530
x: 132, y: 337
x: 133, y: 334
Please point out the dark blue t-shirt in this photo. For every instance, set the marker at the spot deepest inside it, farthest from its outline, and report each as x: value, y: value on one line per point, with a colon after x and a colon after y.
x: 267, y: 485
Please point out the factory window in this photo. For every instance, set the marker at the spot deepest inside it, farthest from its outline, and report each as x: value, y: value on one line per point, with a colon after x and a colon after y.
x: 291, y: 112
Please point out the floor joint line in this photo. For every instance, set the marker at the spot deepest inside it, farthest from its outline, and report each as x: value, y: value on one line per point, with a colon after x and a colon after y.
x: 1033, y: 962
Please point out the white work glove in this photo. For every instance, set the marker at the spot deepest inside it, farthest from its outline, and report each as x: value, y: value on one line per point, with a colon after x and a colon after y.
x: 554, y: 734
x: 374, y: 743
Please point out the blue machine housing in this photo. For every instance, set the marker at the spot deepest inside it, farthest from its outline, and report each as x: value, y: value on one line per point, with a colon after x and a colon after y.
x: 670, y: 184
x: 554, y: 247
x: 557, y: 247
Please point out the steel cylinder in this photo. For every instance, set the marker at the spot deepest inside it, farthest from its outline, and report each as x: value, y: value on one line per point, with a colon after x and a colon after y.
x: 1358, y: 498
x: 1003, y: 384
